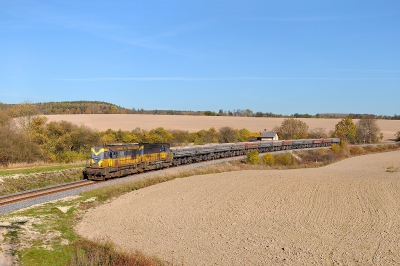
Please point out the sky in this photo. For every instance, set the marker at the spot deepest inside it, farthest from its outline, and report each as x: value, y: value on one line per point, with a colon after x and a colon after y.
x: 283, y: 57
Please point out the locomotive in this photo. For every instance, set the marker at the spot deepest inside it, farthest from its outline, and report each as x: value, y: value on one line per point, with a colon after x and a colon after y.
x: 120, y: 160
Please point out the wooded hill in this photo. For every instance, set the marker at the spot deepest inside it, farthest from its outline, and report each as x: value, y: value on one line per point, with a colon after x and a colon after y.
x: 98, y: 107
x: 75, y: 107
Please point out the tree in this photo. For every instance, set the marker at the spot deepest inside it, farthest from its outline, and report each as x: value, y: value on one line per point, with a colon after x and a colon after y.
x: 292, y: 128
x: 179, y: 137
x: 253, y: 157
x: 243, y: 134
x: 346, y: 130
x: 209, y: 113
x: 367, y: 129
x: 24, y: 113
x: 5, y: 119
x: 317, y: 133
x: 397, y: 135
x: 268, y: 159
x: 159, y: 135
x: 249, y: 113
x: 211, y: 136
x: 227, y: 134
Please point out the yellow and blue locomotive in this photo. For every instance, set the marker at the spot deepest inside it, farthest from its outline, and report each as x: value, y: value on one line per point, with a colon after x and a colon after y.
x: 119, y: 160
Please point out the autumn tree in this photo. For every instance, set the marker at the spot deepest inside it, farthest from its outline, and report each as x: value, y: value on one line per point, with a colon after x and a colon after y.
x: 397, y: 135
x: 346, y: 130
x: 159, y: 135
x: 7, y: 137
x: 253, y: 157
x: 317, y: 133
x: 243, y: 134
x: 24, y: 113
x: 108, y: 137
x: 139, y: 134
x: 292, y: 128
x: 179, y: 137
x: 367, y: 129
x: 198, y: 138
x: 227, y: 134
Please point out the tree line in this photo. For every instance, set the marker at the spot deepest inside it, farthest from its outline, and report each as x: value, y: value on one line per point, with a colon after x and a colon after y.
x: 98, y: 107
x: 366, y: 130
x: 26, y: 136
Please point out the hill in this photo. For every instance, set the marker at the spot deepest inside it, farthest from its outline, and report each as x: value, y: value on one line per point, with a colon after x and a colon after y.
x: 98, y: 107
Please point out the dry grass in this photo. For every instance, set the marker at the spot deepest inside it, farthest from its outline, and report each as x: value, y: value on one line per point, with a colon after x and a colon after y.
x: 27, y: 181
x: 90, y: 253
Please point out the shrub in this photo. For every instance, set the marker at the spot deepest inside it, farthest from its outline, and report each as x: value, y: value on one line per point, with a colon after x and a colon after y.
x: 356, y: 150
x: 67, y: 157
x: 268, y: 159
x: 336, y: 148
x: 382, y: 147
x: 286, y: 159
x: 253, y: 157
x: 312, y: 156
x: 329, y: 157
x: 86, y: 252
x: 369, y: 149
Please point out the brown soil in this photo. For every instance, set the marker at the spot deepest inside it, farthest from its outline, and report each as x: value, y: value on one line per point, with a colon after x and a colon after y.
x: 196, y: 123
x: 346, y: 213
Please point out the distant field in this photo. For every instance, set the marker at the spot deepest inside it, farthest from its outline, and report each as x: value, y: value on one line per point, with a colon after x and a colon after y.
x: 195, y: 123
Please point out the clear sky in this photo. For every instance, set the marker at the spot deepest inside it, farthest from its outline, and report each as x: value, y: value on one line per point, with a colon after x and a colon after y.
x: 282, y: 57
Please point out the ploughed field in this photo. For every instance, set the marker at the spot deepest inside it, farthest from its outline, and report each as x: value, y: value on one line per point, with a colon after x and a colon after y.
x: 195, y: 123
x: 347, y: 213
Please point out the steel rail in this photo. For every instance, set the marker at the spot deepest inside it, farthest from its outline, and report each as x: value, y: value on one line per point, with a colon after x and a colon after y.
x: 8, y: 199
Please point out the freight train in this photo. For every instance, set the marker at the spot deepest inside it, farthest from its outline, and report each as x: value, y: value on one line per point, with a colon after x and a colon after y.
x: 120, y: 160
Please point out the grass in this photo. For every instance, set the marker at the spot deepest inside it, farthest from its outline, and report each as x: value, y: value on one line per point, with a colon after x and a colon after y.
x: 89, y: 253
x: 45, y: 230
x: 392, y: 169
x: 36, y: 169
x: 23, y: 182
x: 44, y: 235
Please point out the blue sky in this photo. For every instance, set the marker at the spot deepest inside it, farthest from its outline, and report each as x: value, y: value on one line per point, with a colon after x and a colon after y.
x: 283, y: 57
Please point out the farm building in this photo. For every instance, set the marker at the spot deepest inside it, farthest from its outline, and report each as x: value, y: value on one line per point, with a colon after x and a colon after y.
x: 268, y: 135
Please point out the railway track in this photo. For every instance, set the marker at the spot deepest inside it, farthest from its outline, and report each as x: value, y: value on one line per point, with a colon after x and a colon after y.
x: 23, y: 197
x: 41, y: 192
x: 13, y: 198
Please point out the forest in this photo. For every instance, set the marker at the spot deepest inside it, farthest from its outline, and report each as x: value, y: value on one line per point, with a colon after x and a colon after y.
x: 97, y: 107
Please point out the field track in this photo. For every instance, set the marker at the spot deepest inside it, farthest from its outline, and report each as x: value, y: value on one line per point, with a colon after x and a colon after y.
x: 347, y: 213
x: 196, y: 123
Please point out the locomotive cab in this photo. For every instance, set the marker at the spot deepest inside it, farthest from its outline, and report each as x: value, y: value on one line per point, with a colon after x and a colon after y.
x: 102, y: 157
x: 119, y: 160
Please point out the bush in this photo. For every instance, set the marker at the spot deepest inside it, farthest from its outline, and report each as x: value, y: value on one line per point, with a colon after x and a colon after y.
x: 329, y: 157
x: 253, y: 157
x: 369, y: 149
x: 286, y: 159
x: 336, y: 148
x: 382, y: 147
x: 356, y: 150
x: 67, y: 157
x: 268, y: 159
x: 86, y: 252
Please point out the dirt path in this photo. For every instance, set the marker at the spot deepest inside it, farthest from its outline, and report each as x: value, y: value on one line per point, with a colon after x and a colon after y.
x: 347, y: 213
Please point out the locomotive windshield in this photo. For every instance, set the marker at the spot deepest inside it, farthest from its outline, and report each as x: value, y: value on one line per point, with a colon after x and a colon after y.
x: 97, y: 154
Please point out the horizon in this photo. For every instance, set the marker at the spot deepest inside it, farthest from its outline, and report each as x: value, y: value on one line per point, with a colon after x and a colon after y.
x: 283, y: 58
x: 225, y: 112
